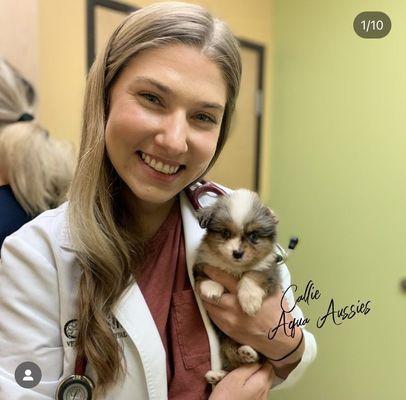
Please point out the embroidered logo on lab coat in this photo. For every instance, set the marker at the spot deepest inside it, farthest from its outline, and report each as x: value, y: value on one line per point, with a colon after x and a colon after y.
x: 118, y: 330
x: 71, y: 330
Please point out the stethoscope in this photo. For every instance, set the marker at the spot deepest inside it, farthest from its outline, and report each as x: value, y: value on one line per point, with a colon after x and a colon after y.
x: 79, y: 386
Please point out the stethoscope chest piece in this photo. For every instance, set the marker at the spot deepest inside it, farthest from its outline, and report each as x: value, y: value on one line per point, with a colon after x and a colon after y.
x: 75, y: 387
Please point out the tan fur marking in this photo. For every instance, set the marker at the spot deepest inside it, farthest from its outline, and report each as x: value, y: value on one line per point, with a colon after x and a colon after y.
x: 250, y: 294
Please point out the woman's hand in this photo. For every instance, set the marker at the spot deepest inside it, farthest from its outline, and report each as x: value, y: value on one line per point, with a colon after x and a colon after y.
x: 248, y: 382
x: 256, y: 330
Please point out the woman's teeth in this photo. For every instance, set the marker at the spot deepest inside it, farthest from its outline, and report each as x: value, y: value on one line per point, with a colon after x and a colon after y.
x: 158, y: 166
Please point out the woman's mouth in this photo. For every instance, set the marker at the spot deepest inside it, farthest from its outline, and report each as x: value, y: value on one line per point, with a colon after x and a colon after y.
x: 158, y: 166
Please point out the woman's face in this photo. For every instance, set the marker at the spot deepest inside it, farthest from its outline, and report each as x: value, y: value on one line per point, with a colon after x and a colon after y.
x: 165, y: 113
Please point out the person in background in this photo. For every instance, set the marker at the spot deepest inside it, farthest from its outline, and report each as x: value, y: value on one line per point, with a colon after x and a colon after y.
x: 35, y: 170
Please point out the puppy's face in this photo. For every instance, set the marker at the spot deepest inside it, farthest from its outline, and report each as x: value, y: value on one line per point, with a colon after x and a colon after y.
x: 240, y: 229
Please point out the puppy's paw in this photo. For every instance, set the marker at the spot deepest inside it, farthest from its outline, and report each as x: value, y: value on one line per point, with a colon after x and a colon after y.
x: 211, y: 289
x: 250, y: 298
x: 247, y: 354
x: 215, y: 377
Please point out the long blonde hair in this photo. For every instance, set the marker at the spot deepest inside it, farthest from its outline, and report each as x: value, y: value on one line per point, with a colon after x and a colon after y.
x: 109, y: 255
x: 17, y: 96
x: 38, y: 168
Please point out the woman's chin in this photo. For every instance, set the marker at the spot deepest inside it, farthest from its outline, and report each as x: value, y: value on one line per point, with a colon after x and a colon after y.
x: 152, y: 195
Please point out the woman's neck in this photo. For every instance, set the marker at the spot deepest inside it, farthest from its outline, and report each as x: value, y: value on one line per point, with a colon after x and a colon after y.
x: 149, y: 216
x: 152, y: 219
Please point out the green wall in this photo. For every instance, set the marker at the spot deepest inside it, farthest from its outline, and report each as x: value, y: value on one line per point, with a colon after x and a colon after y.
x: 337, y: 178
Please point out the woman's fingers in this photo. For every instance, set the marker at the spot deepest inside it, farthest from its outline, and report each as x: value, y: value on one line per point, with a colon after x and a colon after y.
x: 248, y: 382
x: 239, y: 377
x: 253, y: 374
x: 263, y: 376
x: 261, y: 381
x: 225, y: 301
x: 246, y: 371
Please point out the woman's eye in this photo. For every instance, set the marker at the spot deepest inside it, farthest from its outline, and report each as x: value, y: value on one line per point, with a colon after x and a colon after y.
x: 225, y: 234
x: 206, y: 118
x: 253, y: 237
x: 151, y: 98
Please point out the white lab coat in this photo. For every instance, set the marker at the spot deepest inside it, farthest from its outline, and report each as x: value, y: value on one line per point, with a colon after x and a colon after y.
x: 39, y: 279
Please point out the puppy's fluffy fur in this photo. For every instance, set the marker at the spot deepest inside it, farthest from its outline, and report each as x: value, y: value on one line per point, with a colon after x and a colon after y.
x: 240, y: 240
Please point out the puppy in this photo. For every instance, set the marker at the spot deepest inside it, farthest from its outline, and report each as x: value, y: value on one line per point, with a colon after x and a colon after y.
x: 240, y: 240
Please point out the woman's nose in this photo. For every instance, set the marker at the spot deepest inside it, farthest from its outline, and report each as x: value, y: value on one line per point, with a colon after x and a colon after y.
x: 173, y: 134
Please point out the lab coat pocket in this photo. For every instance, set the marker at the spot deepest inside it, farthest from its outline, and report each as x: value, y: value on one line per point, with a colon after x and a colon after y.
x: 190, y: 331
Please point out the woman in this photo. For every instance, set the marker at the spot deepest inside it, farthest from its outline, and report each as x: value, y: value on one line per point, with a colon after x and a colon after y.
x: 35, y: 170
x: 114, y: 264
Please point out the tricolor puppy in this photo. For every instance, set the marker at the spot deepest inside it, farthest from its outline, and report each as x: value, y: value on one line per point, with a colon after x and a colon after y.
x: 240, y: 240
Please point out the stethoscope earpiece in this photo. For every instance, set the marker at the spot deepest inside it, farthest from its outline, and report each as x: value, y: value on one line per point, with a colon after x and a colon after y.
x: 294, y: 240
x: 282, y: 257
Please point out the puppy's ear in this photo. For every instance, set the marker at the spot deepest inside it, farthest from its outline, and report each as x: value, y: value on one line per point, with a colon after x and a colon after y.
x: 273, y: 216
x: 204, y: 216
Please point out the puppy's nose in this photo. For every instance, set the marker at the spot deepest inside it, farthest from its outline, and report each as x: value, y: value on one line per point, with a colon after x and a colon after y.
x: 237, y: 254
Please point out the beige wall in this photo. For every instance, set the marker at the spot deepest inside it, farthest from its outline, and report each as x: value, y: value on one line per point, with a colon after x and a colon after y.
x: 19, y: 36
x: 62, y: 59
x: 62, y: 54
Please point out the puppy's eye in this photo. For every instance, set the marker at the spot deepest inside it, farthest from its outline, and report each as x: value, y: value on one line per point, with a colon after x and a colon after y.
x: 225, y: 234
x: 253, y: 237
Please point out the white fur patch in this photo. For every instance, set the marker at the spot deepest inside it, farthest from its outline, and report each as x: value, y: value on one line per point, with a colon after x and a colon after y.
x: 214, y: 377
x: 250, y: 295
x: 241, y: 202
x: 211, y: 289
x: 247, y: 354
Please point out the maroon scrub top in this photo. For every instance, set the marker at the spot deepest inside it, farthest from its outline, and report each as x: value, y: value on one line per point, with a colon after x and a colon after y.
x: 165, y: 284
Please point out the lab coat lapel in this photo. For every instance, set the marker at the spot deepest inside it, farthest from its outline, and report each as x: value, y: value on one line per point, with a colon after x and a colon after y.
x: 193, y: 234
x: 134, y: 316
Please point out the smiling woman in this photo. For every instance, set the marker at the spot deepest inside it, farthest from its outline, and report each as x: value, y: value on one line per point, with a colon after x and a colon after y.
x: 157, y: 111
x: 165, y: 105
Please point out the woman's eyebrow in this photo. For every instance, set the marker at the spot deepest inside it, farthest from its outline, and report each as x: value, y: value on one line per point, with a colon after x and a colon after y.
x: 216, y: 106
x: 160, y: 86
x: 165, y: 89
